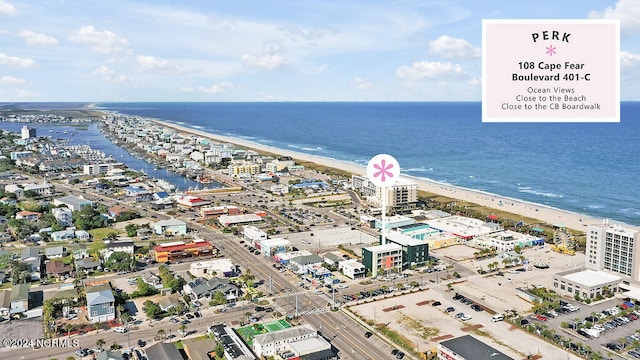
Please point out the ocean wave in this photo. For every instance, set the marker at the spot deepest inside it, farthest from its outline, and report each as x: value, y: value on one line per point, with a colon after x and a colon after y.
x: 595, y: 207
x: 318, y: 148
x: 418, y: 169
x: 528, y: 190
x: 197, y: 127
x: 293, y: 146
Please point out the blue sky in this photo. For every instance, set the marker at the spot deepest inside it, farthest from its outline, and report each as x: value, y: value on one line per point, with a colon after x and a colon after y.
x: 406, y: 50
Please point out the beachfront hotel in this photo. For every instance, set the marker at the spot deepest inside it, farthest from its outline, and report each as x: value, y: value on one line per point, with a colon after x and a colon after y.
x: 614, y: 248
x: 402, y: 196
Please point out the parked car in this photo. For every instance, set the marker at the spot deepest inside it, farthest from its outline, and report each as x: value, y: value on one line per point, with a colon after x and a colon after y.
x: 120, y: 329
x: 368, y: 334
x: 436, y: 303
x: 450, y: 309
x: 82, y: 352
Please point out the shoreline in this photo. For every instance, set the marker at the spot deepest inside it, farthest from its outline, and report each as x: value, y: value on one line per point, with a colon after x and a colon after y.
x: 548, y: 214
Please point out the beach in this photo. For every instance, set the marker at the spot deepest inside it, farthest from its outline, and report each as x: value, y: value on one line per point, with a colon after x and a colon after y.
x: 544, y: 213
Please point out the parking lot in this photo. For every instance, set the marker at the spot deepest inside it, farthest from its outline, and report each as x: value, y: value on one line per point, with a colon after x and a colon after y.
x: 414, y: 316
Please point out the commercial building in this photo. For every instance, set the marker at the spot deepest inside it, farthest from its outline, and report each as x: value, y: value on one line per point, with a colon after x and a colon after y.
x: 435, y: 238
x: 298, y: 342
x: 237, y: 220
x: 170, y: 227
x: 179, y: 249
x: 585, y: 283
x: 72, y: 202
x: 507, y: 240
x: 464, y: 228
x: 353, y: 269
x: 615, y: 249
x: 271, y: 247
x: 382, y: 258
x: 401, y: 196
x: 414, y: 252
x: 211, y: 268
x: 253, y: 235
x: 209, y: 211
x: 27, y: 132
x: 243, y: 168
x: 468, y: 348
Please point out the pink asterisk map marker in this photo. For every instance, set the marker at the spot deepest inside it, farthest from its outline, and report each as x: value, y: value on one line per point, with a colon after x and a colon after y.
x: 383, y: 170
x: 551, y: 50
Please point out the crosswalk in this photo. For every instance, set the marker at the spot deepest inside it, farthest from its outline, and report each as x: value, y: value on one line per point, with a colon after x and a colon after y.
x: 314, y: 311
x: 290, y: 294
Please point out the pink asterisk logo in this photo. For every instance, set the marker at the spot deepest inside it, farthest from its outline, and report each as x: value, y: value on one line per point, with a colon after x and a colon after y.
x: 551, y: 50
x: 383, y: 170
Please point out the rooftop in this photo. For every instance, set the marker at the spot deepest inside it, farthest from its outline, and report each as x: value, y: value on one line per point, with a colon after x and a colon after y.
x: 590, y: 278
x: 470, y: 348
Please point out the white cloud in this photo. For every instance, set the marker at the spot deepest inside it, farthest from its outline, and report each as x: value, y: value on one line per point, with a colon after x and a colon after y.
x: 110, y: 76
x: 10, y: 80
x: 104, y: 42
x: 453, y: 48
x: 362, y: 84
x: 16, y: 61
x: 7, y: 8
x: 430, y: 70
x: 164, y: 66
x: 185, y: 89
x: 270, y: 59
x: 216, y: 88
x: 265, y: 61
x: 36, y: 39
x: 25, y: 94
x: 629, y: 60
x: 628, y: 11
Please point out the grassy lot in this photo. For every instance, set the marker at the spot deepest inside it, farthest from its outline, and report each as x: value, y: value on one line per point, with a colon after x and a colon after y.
x: 101, y: 233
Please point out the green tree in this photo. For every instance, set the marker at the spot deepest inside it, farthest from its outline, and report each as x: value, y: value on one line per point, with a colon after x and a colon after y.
x: 131, y: 230
x: 88, y: 218
x: 183, y: 329
x: 160, y: 333
x: 218, y: 299
x: 20, y: 272
x: 151, y: 309
x: 119, y: 261
x: 100, y: 343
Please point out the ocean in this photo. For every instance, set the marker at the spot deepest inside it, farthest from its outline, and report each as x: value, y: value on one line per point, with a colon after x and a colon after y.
x: 585, y: 168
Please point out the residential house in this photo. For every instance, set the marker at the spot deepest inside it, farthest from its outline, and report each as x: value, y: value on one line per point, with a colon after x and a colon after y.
x: 28, y: 215
x: 100, y: 303
x: 5, y: 302
x: 111, y: 355
x: 80, y: 252
x: 199, y: 349
x: 3, y: 220
x: 67, y: 234
x: 201, y: 288
x: 58, y: 268
x: 31, y: 256
x: 19, y: 301
x: 169, y: 301
x: 63, y: 215
x: 55, y: 252
x: 117, y: 246
x: 152, y: 279
x: 115, y: 211
x: 162, y: 351
x: 83, y: 235
x: 87, y: 265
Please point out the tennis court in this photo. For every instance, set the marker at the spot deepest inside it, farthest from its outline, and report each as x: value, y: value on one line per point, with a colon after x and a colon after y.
x: 248, y: 332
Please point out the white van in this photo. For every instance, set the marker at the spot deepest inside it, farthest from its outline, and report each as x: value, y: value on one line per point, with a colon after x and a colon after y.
x: 497, y: 318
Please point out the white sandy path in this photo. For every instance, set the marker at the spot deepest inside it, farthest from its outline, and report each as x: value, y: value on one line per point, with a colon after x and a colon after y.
x: 527, y: 209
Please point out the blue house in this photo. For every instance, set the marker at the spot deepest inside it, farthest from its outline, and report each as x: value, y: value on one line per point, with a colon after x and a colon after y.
x: 100, y: 304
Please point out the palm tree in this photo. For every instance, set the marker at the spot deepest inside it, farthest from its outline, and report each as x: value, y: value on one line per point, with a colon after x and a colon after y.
x: 160, y: 333
x: 183, y: 329
x: 100, y: 342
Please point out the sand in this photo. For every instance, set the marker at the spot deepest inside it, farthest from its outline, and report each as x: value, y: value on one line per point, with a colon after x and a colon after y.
x: 527, y: 209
